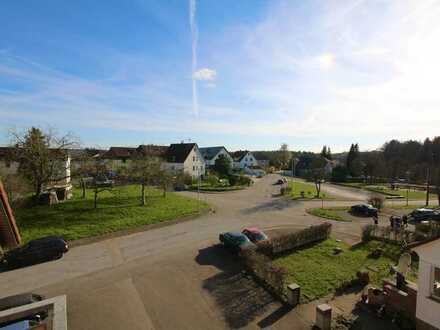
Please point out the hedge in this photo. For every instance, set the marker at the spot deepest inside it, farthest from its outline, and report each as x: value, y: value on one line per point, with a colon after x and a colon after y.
x: 297, y: 239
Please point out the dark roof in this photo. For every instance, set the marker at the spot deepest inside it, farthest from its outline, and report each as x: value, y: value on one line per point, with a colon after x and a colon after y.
x: 11, y: 153
x: 210, y: 152
x: 238, y: 155
x: 151, y: 150
x: 119, y: 152
x: 6, y: 152
x: 178, y: 152
x: 86, y: 153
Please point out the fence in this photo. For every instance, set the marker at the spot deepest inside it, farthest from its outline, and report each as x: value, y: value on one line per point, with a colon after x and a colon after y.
x: 387, y: 234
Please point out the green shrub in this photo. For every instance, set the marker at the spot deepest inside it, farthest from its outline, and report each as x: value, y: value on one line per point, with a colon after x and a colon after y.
x: 212, y: 180
x: 285, y: 190
x: 367, y: 231
x: 377, y: 201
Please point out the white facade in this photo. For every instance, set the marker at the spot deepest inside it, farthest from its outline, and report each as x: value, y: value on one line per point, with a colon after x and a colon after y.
x: 193, y: 165
x: 428, y: 295
x: 61, y: 175
x: 222, y: 151
x: 248, y: 160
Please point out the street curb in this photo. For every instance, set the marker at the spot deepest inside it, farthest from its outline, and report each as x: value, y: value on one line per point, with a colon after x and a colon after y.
x: 129, y: 231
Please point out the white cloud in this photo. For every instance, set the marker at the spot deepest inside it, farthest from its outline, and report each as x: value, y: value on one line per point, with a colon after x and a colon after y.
x: 326, y: 61
x: 205, y: 74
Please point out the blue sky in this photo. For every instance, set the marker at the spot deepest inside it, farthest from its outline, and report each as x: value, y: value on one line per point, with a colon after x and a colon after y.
x: 245, y: 74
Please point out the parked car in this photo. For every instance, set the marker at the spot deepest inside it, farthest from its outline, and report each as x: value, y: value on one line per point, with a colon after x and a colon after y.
x: 254, y: 234
x: 364, y: 209
x: 425, y: 214
x: 235, y: 241
x: 36, y: 251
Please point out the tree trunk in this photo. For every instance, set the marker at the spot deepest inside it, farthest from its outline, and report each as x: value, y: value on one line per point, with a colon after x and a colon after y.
x: 83, y: 187
x: 164, y: 191
x: 318, y: 188
x: 95, y: 200
x: 143, y: 195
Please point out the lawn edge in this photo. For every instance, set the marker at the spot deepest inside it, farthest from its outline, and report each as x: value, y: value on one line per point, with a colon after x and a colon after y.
x: 129, y: 231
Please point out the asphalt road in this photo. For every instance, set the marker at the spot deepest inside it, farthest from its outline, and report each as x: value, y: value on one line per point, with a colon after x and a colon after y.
x: 175, y: 277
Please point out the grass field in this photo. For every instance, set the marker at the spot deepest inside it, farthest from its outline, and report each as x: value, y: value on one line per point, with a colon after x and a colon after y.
x: 329, y: 213
x: 309, y: 190
x: 319, y: 272
x: 117, y: 210
x: 386, y: 190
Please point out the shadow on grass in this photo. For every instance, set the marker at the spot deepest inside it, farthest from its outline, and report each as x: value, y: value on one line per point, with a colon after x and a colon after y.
x: 240, y: 299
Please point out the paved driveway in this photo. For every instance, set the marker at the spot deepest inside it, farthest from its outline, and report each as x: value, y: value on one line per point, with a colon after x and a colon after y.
x: 175, y: 277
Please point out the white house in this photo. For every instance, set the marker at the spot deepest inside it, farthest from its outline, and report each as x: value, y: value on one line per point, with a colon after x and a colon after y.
x: 61, y: 180
x: 211, y: 154
x: 428, y: 295
x: 244, y: 159
x: 185, y: 157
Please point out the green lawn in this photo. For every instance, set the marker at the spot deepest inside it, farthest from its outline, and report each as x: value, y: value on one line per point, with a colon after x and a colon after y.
x: 117, y: 210
x: 216, y: 188
x: 309, y: 190
x: 319, y: 272
x: 329, y: 213
x: 386, y: 190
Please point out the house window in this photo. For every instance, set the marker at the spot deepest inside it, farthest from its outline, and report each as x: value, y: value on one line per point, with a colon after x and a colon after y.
x: 194, y: 158
x: 194, y: 168
x: 435, y: 282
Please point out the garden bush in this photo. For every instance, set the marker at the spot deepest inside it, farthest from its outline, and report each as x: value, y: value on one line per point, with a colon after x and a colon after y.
x: 377, y: 201
x: 285, y: 190
x: 367, y: 232
x: 212, y: 180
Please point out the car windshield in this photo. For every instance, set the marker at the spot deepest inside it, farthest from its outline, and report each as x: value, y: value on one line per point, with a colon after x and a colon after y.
x: 260, y: 236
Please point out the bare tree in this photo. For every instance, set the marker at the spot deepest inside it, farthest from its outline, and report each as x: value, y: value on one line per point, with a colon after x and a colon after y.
x: 40, y: 155
x: 100, y: 181
x: 166, y: 179
x: 145, y: 171
x: 318, y: 174
x: 285, y: 154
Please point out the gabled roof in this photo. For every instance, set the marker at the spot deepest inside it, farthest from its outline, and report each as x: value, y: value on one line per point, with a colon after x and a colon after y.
x: 209, y: 153
x: 239, y: 155
x: 119, y: 152
x: 178, y: 152
x: 6, y: 152
x: 151, y: 150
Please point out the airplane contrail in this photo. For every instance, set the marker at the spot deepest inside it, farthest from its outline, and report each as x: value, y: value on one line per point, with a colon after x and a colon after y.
x: 194, y: 39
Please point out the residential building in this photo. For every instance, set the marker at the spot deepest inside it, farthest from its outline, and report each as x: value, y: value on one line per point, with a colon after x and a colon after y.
x: 244, y: 159
x: 329, y: 166
x: 185, y: 157
x: 211, y: 154
x: 9, y: 165
x: 117, y: 157
x: 428, y: 296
